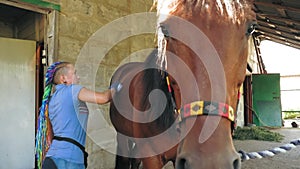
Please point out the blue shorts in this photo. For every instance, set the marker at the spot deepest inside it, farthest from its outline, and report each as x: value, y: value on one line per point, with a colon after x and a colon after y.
x: 63, y: 164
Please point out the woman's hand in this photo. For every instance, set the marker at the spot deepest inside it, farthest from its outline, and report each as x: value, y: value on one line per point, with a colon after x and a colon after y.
x: 117, y: 86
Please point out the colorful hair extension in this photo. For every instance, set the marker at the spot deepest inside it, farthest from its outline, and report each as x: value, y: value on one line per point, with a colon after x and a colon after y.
x: 41, y: 144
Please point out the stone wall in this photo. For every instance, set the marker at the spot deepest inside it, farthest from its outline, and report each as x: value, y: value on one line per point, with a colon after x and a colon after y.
x: 79, y: 21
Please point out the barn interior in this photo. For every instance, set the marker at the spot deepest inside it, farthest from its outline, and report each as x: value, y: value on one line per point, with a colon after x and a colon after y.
x: 278, y: 21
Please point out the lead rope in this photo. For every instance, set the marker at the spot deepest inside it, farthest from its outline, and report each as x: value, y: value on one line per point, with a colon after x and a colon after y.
x: 269, y: 153
x: 170, y: 92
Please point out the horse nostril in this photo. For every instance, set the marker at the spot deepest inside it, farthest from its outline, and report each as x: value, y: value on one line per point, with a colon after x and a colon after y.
x: 182, y: 164
x: 237, y: 163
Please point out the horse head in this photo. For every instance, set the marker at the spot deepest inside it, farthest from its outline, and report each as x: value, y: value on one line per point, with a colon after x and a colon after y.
x: 203, y: 45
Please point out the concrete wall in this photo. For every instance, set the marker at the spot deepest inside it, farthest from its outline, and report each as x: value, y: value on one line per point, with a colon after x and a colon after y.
x: 79, y: 20
x: 252, y: 59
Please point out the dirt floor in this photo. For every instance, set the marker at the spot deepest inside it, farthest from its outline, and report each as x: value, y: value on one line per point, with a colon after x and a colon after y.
x: 288, y: 160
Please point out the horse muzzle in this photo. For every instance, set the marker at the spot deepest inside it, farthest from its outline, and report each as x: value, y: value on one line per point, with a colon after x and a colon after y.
x: 189, y: 161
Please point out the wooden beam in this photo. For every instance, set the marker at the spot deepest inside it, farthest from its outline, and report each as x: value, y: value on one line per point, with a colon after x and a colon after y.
x: 282, y: 42
x: 52, y: 37
x: 289, y: 76
x: 267, y: 32
x: 282, y: 12
x: 281, y: 19
x: 275, y: 38
x: 280, y: 27
x: 276, y: 6
x: 22, y: 5
x: 258, y: 55
x: 285, y: 40
x: 281, y: 33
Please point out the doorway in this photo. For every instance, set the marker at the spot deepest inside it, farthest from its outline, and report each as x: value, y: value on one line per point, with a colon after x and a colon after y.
x: 22, y: 40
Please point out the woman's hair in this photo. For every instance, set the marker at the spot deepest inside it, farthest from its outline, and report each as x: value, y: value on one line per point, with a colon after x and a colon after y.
x: 52, y: 77
x: 61, y: 69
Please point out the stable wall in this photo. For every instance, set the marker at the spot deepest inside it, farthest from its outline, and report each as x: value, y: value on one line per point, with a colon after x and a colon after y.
x: 65, y: 31
x: 78, y: 20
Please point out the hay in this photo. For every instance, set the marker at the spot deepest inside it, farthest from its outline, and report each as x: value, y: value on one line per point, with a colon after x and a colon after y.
x: 256, y: 133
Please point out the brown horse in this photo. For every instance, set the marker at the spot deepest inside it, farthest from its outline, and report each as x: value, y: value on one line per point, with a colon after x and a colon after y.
x: 202, y: 49
x: 137, y: 118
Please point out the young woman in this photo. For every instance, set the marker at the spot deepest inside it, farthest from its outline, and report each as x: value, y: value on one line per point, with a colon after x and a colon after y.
x: 68, y: 115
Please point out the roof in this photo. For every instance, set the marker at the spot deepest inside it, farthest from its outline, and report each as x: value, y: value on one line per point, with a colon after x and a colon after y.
x: 278, y: 21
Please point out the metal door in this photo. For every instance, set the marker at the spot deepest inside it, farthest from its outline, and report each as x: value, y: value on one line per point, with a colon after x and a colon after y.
x: 17, y: 98
x: 266, y: 100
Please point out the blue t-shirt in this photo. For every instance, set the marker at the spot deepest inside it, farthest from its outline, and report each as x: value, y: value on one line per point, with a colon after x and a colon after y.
x: 68, y: 116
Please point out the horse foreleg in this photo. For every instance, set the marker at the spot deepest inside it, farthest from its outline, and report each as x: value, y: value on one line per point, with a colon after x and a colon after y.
x: 122, y: 156
x: 122, y: 162
x: 134, y: 161
x: 153, y: 162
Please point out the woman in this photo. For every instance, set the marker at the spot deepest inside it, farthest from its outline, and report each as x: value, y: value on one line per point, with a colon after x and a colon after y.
x: 68, y: 115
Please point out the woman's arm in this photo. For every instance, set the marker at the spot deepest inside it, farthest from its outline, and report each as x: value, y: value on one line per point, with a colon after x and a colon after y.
x: 87, y: 95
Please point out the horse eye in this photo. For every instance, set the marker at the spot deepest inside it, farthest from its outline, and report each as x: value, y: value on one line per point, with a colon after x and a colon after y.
x: 178, y: 130
x: 164, y: 30
x: 251, y: 28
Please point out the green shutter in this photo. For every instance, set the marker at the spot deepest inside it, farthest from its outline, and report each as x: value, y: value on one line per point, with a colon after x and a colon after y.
x: 266, y: 100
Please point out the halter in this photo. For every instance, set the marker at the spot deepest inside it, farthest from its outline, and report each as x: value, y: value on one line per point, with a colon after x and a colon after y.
x: 208, y: 108
x: 198, y: 108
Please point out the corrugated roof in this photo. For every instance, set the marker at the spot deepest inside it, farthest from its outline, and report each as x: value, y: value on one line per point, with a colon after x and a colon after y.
x: 279, y: 21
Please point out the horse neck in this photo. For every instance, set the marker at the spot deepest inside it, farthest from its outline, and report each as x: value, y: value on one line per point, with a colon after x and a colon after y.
x: 153, y: 78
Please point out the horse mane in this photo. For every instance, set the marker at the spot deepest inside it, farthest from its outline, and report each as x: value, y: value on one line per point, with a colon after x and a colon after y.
x: 154, y: 78
x: 232, y: 9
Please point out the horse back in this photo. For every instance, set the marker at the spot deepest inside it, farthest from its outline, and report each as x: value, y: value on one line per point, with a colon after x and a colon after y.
x: 121, y: 106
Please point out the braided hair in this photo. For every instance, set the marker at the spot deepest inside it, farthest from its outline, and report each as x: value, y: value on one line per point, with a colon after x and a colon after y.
x: 43, y: 119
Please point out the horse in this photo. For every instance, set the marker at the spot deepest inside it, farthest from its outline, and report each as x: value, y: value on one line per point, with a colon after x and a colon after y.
x: 139, y: 80
x: 179, y: 105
